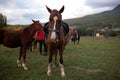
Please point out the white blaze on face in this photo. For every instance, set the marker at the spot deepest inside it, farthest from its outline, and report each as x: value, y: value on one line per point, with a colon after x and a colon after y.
x: 53, y: 34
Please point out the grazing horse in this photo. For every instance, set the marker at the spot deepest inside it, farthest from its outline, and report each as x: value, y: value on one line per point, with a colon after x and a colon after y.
x: 56, y: 37
x: 22, y: 39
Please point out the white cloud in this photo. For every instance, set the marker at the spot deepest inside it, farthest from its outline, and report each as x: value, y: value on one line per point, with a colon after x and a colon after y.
x: 102, y: 3
x: 21, y: 11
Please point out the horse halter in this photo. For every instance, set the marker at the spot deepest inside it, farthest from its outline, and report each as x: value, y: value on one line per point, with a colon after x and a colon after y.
x: 57, y: 30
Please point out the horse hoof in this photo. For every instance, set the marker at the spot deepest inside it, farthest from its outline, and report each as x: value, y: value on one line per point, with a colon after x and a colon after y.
x: 25, y: 68
x: 48, y: 72
x: 62, y: 74
x: 18, y: 63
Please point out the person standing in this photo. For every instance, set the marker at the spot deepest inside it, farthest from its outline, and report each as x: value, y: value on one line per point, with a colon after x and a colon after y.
x: 41, y: 40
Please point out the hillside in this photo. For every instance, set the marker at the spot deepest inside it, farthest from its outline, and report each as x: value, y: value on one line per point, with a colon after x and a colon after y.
x: 103, y: 19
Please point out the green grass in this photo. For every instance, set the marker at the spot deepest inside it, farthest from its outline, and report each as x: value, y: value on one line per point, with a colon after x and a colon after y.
x: 91, y: 59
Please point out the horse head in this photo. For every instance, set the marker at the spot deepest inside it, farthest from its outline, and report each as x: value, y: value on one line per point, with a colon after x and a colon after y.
x: 37, y: 25
x: 55, y: 22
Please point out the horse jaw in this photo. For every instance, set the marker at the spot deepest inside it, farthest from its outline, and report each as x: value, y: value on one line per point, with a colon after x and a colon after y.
x: 53, y: 34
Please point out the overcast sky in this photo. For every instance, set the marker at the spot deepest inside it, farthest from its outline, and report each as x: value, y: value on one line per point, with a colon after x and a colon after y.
x: 22, y: 11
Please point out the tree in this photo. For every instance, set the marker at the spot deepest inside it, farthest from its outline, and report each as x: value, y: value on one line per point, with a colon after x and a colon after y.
x: 3, y: 21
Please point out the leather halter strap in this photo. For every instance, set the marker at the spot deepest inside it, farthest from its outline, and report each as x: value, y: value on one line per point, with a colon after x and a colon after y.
x: 57, y: 30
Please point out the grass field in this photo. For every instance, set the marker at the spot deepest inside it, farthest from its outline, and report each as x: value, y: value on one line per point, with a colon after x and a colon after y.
x: 92, y: 59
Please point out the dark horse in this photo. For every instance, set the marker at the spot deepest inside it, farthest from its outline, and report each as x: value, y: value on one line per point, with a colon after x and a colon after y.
x: 22, y: 39
x: 56, y: 37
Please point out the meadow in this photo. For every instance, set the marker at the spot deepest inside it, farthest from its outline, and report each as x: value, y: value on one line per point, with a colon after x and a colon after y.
x: 91, y: 59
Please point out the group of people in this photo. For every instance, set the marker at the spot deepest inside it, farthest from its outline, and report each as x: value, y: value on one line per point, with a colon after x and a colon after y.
x: 41, y: 41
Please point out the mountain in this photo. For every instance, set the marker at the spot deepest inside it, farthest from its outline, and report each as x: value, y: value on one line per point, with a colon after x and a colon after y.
x: 103, y: 19
x: 117, y: 8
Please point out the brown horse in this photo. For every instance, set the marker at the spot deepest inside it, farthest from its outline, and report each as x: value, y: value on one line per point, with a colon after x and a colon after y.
x: 74, y: 35
x: 55, y: 38
x: 22, y: 39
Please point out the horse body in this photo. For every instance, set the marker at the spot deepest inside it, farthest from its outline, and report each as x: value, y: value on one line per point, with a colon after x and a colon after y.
x: 55, y: 38
x: 9, y: 40
x: 22, y: 39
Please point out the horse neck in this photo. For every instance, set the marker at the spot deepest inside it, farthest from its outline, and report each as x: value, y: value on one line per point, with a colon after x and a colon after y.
x: 31, y: 31
x: 62, y: 33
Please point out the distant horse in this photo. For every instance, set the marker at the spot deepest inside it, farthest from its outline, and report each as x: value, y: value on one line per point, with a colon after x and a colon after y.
x: 75, y: 37
x: 22, y: 39
x: 99, y: 36
x: 56, y: 37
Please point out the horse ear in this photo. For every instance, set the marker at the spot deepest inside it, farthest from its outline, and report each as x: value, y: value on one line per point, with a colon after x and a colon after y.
x: 33, y: 20
x: 62, y: 9
x: 49, y: 10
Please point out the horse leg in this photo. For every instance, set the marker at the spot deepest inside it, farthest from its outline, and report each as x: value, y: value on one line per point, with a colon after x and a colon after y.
x: 74, y: 42
x: 50, y: 60
x: 24, y: 57
x: 19, y: 58
x: 34, y: 44
x: 78, y: 40
x: 55, y: 62
x: 61, y: 62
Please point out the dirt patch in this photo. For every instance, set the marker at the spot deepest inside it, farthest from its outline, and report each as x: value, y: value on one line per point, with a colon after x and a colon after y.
x: 76, y: 67
x: 93, y: 70
x: 86, y: 70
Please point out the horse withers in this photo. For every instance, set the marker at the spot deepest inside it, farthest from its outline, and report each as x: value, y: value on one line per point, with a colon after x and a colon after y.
x: 56, y: 38
x: 22, y: 39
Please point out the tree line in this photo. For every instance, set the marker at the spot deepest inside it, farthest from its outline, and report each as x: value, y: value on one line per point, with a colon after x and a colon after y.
x: 3, y: 20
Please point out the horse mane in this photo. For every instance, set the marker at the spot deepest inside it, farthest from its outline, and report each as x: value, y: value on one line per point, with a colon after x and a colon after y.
x: 26, y: 28
x: 26, y: 31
